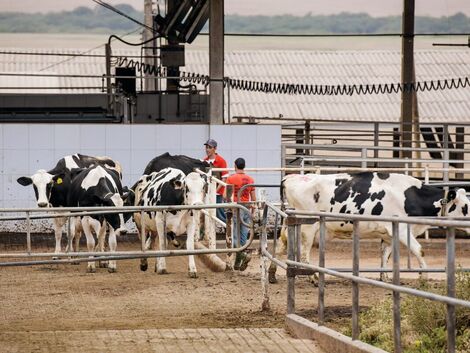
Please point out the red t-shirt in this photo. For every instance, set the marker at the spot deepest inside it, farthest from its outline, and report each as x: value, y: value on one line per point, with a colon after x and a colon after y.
x: 238, y: 180
x: 219, y: 162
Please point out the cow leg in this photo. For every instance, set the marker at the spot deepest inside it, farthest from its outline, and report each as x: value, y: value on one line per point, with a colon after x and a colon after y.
x: 77, y: 231
x: 90, y: 242
x: 308, y: 235
x: 190, y: 246
x: 58, y: 224
x: 160, y: 265
x: 280, y: 249
x: 100, y: 231
x: 415, y: 248
x: 386, y: 252
x: 112, y: 248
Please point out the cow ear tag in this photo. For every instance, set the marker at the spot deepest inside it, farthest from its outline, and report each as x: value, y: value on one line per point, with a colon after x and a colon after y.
x: 59, y: 181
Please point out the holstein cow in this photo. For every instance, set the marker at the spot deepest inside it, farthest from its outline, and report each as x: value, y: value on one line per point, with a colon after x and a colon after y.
x: 51, y: 187
x: 171, y: 186
x: 379, y: 194
x: 98, y: 186
x: 186, y: 165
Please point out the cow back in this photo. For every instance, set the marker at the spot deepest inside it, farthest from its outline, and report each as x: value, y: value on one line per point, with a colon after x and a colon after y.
x: 184, y: 163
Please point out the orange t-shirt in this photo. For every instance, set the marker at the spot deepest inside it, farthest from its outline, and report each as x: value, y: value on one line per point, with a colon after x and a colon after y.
x: 238, y: 180
x: 219, y: 162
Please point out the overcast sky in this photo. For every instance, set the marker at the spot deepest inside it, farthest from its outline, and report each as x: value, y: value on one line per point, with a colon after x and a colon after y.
x: 271, y: 7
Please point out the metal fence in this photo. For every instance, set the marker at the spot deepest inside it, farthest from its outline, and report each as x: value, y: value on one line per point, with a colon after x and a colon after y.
x: 293, y: 266
x: 61, y: 212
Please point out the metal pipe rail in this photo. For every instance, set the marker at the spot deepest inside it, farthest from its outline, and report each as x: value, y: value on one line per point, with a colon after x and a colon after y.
x: 294, y: 267
x: 121, y: 255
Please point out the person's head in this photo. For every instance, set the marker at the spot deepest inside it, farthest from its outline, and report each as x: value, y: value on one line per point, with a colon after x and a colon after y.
x: 239, y: 163
x: 211, y: 147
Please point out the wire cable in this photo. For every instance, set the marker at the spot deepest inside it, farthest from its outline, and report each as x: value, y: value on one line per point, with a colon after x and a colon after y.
x: 304, y: 89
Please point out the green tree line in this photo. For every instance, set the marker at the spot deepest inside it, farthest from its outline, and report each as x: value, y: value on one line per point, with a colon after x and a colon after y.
x: 101, y: 20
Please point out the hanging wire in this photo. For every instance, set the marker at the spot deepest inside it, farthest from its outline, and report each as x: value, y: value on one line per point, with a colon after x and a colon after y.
x: 295, y: 88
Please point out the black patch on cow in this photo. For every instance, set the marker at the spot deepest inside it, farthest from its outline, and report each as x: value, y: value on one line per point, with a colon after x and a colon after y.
x: 420, y: 202
x: 331, y: 209
x: 377, y: 210
x: 338, y: 182
x: 465, y: 210
x: 184, y: 163
x: 377, y: 195
x: 361, y: 211
x: 383, y: 176
x: 343, y: 209
x: 452, y: 208
x: 316, y: 196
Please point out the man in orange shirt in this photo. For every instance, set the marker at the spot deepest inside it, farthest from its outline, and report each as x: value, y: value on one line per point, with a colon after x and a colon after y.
x: 238, y: 180
x: 218, y: 162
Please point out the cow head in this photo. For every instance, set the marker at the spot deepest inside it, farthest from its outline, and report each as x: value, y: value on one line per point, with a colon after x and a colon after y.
x: 458, y: 204
x: 115, y: 220
x: 43, y: 183
x: 195, y: 189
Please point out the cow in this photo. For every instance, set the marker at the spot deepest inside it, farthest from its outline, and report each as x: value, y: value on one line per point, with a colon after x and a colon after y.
x: 171, y: 186
x: 186, y: 165
x: 51, y: 187
x: 98, y: 186
x: 368, y: 193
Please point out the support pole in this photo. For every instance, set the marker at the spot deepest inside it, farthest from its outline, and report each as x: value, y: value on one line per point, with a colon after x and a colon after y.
x: 355, y: 285
x: 216, y: 62
x: 291, y: 246
x: 146, y: 35
x: 407, y: 65
x: 451, y: 289
x: 396, y: 295
x: 109, y: 92
x: 321, y: 276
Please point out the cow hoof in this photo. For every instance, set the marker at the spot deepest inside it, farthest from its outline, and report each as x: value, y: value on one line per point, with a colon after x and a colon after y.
x: 112, y: 270
x: 313, y: 279
x: 192, y: 274
x: 162, y: 271
x: 176, y: 243
x: 91, y: 270
x: 103, y: 264
x: 144, y: 267
x: 272, y: 278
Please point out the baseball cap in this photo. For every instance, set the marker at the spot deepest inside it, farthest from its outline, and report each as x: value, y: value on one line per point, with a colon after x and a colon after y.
x: 211, y: 142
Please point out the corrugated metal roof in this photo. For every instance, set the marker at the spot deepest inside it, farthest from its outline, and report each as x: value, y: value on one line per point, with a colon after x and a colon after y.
x: 290, y: 66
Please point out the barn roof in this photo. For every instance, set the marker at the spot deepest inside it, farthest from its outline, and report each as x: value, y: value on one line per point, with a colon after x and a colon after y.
x: 296, y: 66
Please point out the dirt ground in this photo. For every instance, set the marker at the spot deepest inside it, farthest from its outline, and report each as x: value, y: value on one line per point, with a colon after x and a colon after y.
x: 64, y: 297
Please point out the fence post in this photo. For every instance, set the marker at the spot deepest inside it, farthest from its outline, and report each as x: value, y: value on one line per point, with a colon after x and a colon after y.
x: 291, y: 230
x: 355, y: 285
x: 28, y: 233
x: 450, y: 246
x: 396, y: 295
x: 265, y: 306
x: 364, y: 157
x: 321, y: 275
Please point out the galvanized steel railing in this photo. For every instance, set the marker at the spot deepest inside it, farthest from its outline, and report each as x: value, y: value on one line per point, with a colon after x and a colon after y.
x: 293, y: 266
x: 59, y: 212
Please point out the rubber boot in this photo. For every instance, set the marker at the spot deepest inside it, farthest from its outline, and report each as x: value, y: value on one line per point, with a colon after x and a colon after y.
x: 245, y: 260
x: 238, y: 261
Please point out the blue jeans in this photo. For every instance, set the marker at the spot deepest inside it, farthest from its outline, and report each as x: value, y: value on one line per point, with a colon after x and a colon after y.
x: 244, y: 230
x: 220, y: 213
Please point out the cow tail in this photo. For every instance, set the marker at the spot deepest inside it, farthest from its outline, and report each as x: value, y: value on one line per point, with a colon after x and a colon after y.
x: 283, y: 194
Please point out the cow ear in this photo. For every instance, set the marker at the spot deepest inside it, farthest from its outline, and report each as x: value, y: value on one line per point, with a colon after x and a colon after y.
x: 177, y: 184
x: 25, y: 181
x: 58, y: 178
x: 74, y: 172
x: 451, y: 195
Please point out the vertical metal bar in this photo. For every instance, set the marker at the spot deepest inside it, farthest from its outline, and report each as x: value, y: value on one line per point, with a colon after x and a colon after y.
x: 108, y: 77
x: 321, y: 276
x: 229, y: 102
x: 396, y: 295
x: 216, y: 61
x: 376, y: 142
x: 446, y: 166
x: 28, y: 233
x: 364, y: 157
x: 276, y: 219
x: 302, y: 165
x: 298, y: 242
x: 355, y: 285
x: 450, y: 289
x: 283, y: 160
x: 408, y: 241
x: 291, y: 229
x: 265, y: 306
x: 69, y: 234
x: 142, y: 230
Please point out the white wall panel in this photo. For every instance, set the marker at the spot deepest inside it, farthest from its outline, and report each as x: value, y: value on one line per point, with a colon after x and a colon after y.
x: 25, y: 148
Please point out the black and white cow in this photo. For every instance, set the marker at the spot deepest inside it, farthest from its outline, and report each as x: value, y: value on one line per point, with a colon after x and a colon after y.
x: 98, y: 186
x: 52, y: 187
x: 184, y: 163
x: 368, y: 193
x: 171, y: 186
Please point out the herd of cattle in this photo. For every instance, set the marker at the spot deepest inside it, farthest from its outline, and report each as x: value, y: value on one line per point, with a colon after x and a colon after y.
x: 84, y: 181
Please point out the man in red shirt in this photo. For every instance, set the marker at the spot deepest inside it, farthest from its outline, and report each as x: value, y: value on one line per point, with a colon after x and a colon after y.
x: 238, y: 180
x: 218, y: 162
